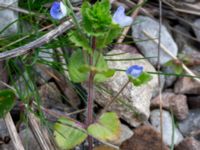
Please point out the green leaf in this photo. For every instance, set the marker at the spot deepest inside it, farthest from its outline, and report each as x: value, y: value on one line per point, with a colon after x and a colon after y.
x: 103, y: 76
x: 177, y: 68
x: 68, y: 134
x: 107, y: 128
x: 109, y: 36
x: 142, y: 79
x: 6, y: 101
x: 97, y: 18
x: 169, y: 63
x: 103, y: 72
x: 79, y: 40
x: 75, y: 63
x: 79, y: 71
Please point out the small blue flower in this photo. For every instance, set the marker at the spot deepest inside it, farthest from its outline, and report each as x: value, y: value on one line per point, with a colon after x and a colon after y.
x: 134, y: 71
x: 120, y: 17
x: 58, y: 10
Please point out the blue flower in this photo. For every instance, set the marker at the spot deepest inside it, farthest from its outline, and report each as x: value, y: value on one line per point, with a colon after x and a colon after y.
x: 120, y: 17
x: 134, y: 71
x: 58, y: 10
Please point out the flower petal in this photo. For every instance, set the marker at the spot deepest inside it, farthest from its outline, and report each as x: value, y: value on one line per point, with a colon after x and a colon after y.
x: 120, y: 17
x: 58, y: 10
x: 63, y: 9
x: 134, y: 71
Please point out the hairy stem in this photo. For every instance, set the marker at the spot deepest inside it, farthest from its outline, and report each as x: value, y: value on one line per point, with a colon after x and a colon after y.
x: 90, y: 99
x: 90, y: 107
x: 91, y: 94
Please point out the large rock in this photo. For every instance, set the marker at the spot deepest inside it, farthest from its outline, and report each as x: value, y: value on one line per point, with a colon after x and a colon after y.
x: 7, y: 17
x: 167, y: 127
x: 176, y: 103
x: 144, y: 138
x: 148, y: 47
x: 196, y: 28
x: 133, y: 101
x: 191, y: 124
x: 187, y: 86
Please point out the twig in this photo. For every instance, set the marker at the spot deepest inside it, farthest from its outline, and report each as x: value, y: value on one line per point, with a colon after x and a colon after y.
x: 172, y: 55
x: 134, y: 14
x: 37, y: 43
x: 159, y: 77
x: 13, y: 132
x: 21, y: 10
x: 40, y: 134
x: 25, y: 37
x: 182, y: 10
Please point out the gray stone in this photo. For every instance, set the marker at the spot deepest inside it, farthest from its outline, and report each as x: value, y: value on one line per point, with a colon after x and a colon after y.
x: 187, y: 86
x: 176, y: 103
x: 162, y: 85
x: 148, y: 47
x: 133, y: 100
x: 179, y: 38
x: 191, y: 54
x: 7, y: 146
x: 167, y: 127
x: 28, y: 140
x: 3, y: 129
x: 126, y: 133
x: 169, y: 79
x: 191, y: 124
x: 51, y: 96
x: 192, y: 57
x: 43, y: 73
x: 197, y: 28
x: 8, y: 17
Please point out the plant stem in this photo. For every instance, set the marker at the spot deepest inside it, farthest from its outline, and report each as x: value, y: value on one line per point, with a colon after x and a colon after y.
x: 91, y: 94
x: 90, y: 99
x: 90, y: 107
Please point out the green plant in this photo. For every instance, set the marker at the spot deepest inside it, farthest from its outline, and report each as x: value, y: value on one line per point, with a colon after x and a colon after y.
x: 87, y: 64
